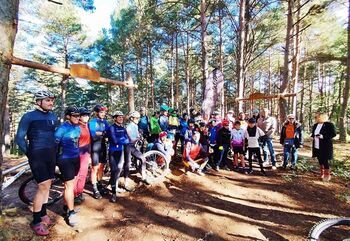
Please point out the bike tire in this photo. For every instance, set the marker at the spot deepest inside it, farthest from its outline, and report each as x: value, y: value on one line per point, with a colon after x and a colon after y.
x: 157, y: 165
x: 324, y: 224
x: 28, y: 189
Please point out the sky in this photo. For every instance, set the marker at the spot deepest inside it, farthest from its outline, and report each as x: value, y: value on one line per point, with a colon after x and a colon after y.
x: 100, y: 18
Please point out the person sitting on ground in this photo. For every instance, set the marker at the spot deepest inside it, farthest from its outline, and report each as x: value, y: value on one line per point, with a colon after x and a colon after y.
x: 291, y: 138
x: 194, y: 156
x: 252, y: 134
x: 67, y: 139
x: 237, y: 145
x: 164, y: 145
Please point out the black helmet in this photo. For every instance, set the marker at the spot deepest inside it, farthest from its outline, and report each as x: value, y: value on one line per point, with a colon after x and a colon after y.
x: 99, y: 108
x: 84, y: 111
x: 72, y: 110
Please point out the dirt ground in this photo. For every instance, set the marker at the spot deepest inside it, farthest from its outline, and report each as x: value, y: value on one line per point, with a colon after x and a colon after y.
x: 223, y: 205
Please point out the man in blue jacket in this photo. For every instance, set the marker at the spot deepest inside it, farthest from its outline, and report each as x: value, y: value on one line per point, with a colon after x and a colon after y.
x: 35, y: 138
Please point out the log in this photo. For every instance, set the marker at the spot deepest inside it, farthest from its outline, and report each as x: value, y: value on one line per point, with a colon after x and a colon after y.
x: 261, y: 96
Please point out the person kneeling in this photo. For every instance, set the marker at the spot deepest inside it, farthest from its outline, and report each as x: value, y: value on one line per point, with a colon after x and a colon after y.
x: 194, y: 155
x: 164, y: 145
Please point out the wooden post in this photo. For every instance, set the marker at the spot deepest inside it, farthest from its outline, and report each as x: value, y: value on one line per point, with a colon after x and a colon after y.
x: 131, y: 98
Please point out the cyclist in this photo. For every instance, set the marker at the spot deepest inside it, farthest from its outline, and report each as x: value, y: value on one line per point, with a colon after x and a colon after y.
x: 131, y: 150
x: 183, y: 129
x: 252, y: 134
x: 98, y: 129
x: 84, y: 154
x: 291, y: 138
x: 117, y: 140
x: 35, y: 138
x: 194, y: 156
x: 144, y: 124
x: 162, y: 144
x: 163, y: 118
x: 67, y: 139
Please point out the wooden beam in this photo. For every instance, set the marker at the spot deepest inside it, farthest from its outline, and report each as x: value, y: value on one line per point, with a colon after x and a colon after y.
x: 261, y: 96
x: 87, y: 71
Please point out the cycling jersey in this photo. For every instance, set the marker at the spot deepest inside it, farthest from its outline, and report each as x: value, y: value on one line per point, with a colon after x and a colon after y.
x: 85, y: 138
x: 39, y: 127
x: 133, y: 132
x: 67, y: 138
x: 144, y: 124
x: 96, y: 125
x: 164, y: 123
x: 117, y: 138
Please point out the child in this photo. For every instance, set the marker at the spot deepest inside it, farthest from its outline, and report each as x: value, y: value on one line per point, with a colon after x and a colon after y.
x: 237, y: 145
x: 252, y: 134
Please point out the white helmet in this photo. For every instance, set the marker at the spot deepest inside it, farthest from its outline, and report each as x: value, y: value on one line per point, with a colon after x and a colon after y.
x: 43, y: 94
x: 134, y: 114
x: 118, y: 113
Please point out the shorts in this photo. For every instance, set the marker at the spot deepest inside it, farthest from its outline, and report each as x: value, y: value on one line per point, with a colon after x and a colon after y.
x: 98, y: 153
x: 42, y: 163
x: 238, y: 150
x: 69, y: 168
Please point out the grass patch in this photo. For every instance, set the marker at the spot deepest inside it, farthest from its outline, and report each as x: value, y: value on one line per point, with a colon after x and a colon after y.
x: 344, y: 197
x: 306, y: 165
x: 340, y: 169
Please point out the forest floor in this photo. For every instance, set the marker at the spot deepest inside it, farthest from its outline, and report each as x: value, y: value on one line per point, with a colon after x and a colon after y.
x: 224, y: 205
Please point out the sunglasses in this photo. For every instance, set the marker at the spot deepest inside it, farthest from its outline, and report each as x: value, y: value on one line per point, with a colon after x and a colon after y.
x: 76, y: 116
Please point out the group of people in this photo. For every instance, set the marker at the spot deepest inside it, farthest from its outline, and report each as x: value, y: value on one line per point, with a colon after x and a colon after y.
x: 81, y: 141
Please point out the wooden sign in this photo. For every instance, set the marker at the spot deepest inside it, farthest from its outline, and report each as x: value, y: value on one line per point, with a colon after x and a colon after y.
x: 85, y: 72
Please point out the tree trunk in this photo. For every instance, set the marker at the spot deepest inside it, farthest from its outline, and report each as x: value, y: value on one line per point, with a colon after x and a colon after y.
x: 64, y: 83
x: 151, y: 76
x: 8, y: 30
x: 296, y: 59
x: 302, y: 106
x: 344, y: 106
x: 187, y: 71
x: 204, y: 45
x: 177, y: 72
x: 285, y: 75
x: 221, y: 63
x: 241, y: 47
x: 172, y: 73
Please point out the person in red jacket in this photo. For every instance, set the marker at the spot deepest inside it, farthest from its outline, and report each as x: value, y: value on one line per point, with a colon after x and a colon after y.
x: 194, y: 155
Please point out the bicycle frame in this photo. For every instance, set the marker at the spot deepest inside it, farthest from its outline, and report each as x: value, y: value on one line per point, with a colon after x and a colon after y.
x: 9, y: 181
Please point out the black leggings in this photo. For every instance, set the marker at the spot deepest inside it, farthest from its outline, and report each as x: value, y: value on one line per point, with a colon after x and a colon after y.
x: 251, y: 152
x: 116, y: 163
x: 99, y: 152
x: 323, y: 162
x: 132, y: 151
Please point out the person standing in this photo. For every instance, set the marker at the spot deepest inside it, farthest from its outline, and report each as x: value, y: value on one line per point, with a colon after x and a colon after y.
x: 35, y: 138
x: 268, y: 125
x: 144, y: 125
x: 223, y: 141
x: 84, y: 154
x: 237, y: 145
x: 155, y: 127
x: 163, y: 118
x: 98, y: 128
x: 68, y: 161
x: 118, y: 139
x: 322, y: 146
x: 291, y: 138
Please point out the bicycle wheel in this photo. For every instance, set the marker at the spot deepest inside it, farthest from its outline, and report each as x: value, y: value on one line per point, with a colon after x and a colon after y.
x: 157, y: 165
x: 321, y: 226
x: 28, y: 188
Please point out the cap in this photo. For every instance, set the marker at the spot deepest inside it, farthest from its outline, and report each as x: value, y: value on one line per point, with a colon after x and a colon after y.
x: 291, y: 116
x: 225, y: 122
x: 163, y: 134
x: 252, y: 120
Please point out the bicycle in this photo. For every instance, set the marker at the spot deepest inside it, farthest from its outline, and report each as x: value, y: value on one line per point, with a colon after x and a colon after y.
x: 320, y: 227
x: 28, y: 188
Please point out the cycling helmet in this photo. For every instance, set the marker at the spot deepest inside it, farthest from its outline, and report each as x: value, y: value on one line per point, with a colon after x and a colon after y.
x: 72, y: 110
x: 134, y: 114
x: 99, y: 108
x: 43, y: 94
x: 163, y: 134
x: 164, y: 107
x: 117, y: 113
x: 84, y: 111
x: 225, y: 122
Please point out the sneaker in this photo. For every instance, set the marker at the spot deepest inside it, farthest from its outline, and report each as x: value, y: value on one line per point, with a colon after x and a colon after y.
x: 77, y: 200
x: 103, y: 191
x: 129, y: 188
x: 200, y: 173
x: 72, y: 219
x: 274, y: 168
x: 147, y: 180
x: 81, y: 196
x: 113, y: 199
x: 250, y: 171
x: 120, y: 190
x: 216, y: 168
x: 97, y: 195
x: 46, y: 220
x: 39, y: 229
x: 266, y: 163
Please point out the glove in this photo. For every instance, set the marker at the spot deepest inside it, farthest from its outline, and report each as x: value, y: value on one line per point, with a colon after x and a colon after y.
x: 221, y: 148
